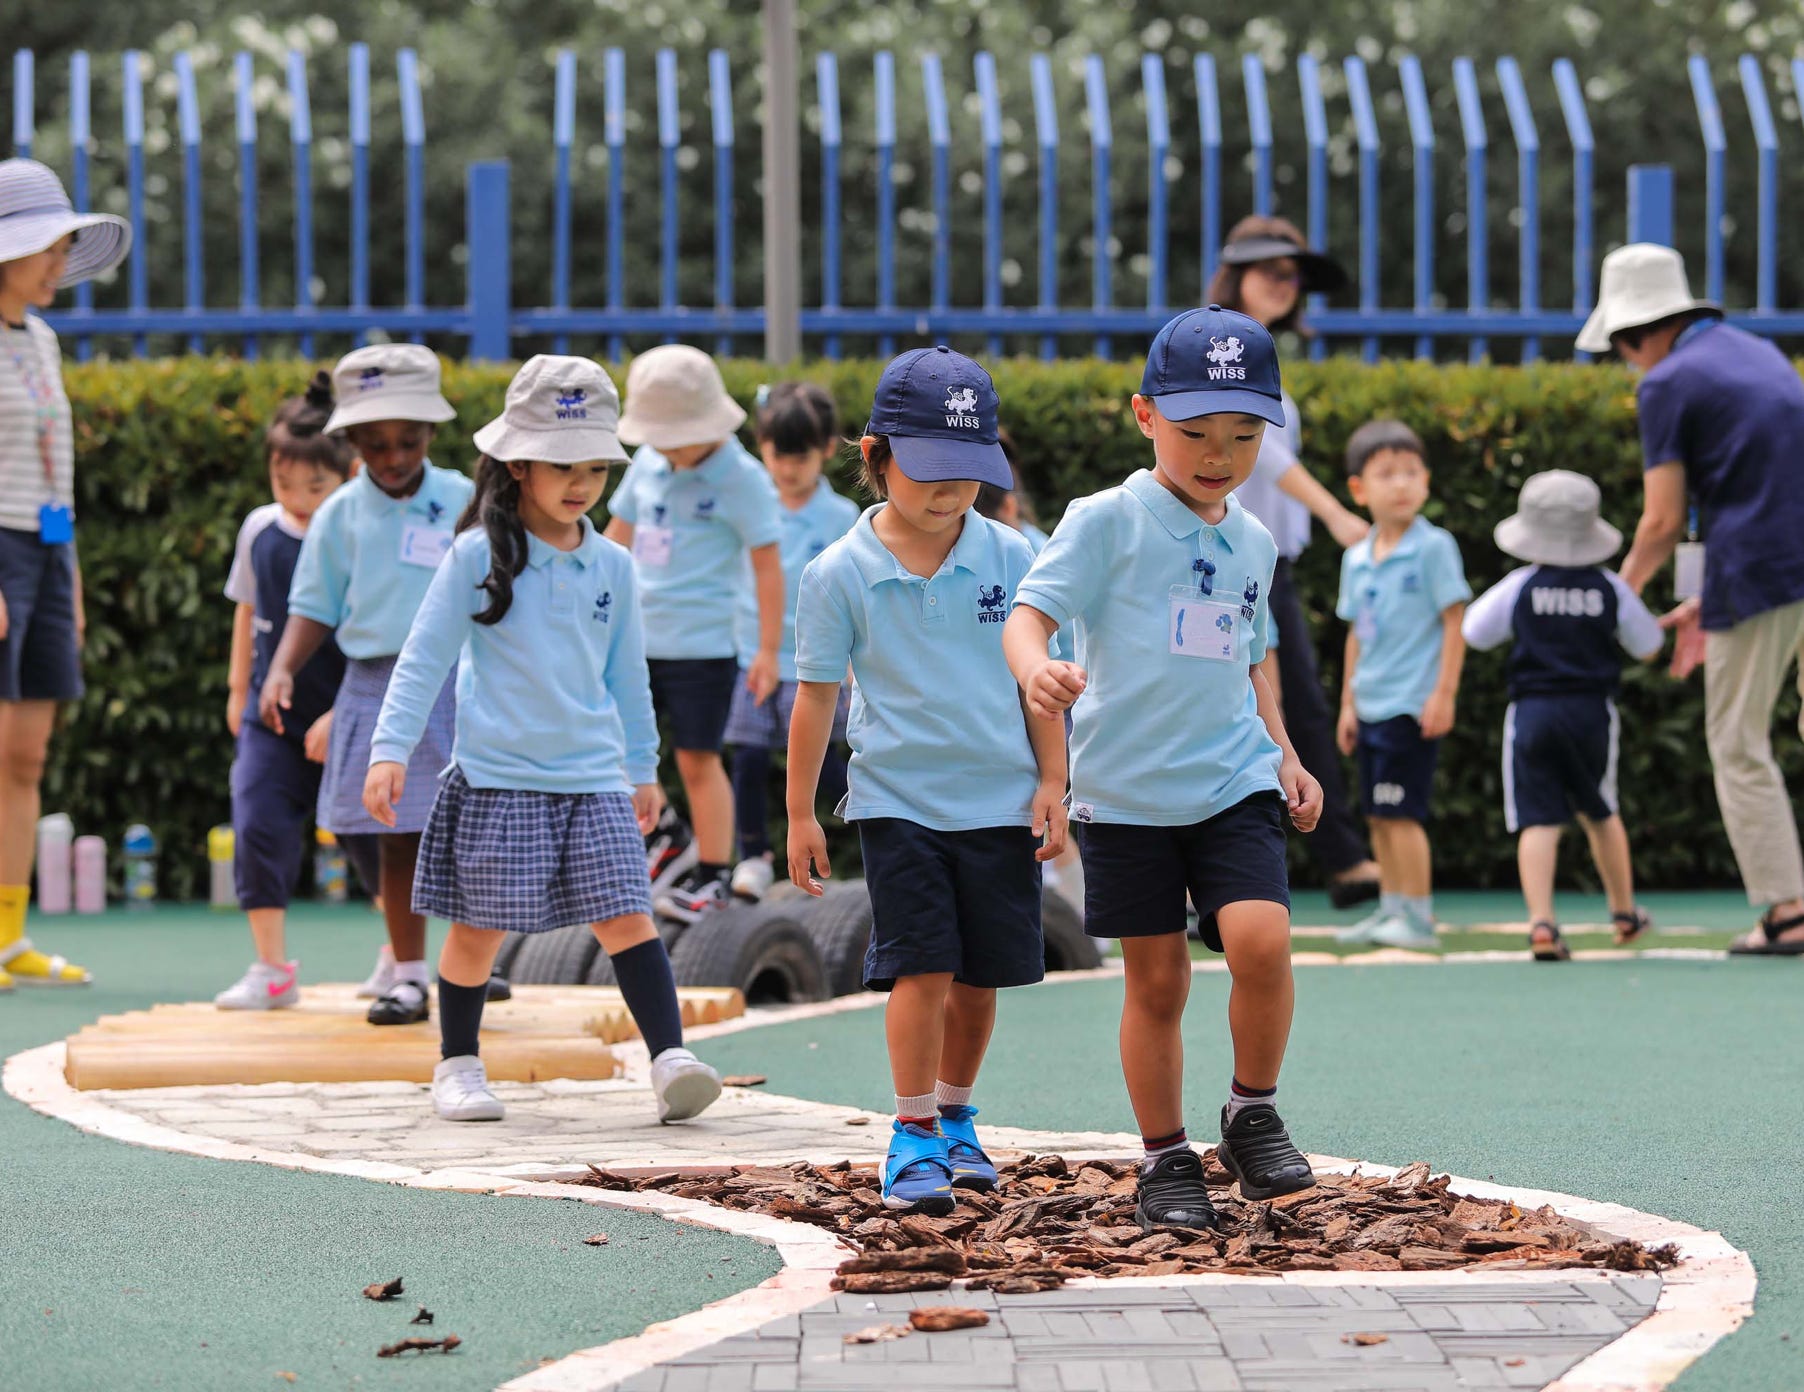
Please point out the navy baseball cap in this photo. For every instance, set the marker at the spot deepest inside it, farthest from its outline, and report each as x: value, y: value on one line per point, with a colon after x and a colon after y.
x: 937, y: 408
x: 1209, y: 362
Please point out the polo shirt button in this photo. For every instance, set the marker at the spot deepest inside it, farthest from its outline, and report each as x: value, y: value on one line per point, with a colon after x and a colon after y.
x: 933, y: 601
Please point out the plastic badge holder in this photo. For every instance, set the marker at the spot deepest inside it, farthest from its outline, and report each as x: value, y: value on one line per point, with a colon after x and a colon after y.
x: 1688, y: 570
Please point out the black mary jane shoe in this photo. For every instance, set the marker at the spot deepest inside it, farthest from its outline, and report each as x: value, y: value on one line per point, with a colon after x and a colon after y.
x: 406, y: 1003
x: 499, y: 989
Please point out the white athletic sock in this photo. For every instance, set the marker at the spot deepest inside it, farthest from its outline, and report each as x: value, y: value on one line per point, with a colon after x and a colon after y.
x: 1238, y: 1100
x: 412, y: 971
x: 921, y: 1106
x: 945, y: 1095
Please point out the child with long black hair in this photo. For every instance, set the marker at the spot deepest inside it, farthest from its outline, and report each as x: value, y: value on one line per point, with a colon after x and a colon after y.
x: 553, y: 780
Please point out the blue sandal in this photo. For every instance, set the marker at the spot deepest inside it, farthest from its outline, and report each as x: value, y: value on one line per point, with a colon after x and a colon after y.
x: 971, y: 1167
x: 917, y: 1177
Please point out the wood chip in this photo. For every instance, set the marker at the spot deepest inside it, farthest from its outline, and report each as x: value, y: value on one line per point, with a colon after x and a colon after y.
x: 878, y: 1334
x: 858, y: 1121
x: 382, y: 1290
x: 937, y: 1319
x: 444, y: 1345
x: 945, y: 1259
x: 1365, y: 1340
x: 743, y: 1080
x: 891, y: 1282
x: 423, y: 1317
x: 596, y: 1239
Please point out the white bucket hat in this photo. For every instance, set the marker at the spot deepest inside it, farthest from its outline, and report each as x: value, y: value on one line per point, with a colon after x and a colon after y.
x: 388, y: 381
x: 1556, y: 523
x: 559, y: 410
x: 35, y: 214
x: 1639, y: 284
x: 674, y: 398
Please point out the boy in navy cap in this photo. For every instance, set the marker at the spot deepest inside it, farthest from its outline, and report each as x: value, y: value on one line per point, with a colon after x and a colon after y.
x: 950, y: 785
x: 1181, y: 771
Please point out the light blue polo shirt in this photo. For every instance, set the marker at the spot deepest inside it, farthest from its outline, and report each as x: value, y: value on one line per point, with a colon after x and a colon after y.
x: 369, y: 557
x: 691, y: 530
x: 937, y: 731
x: 1063, y: 645
x: 1160, y: 737
x: 552, y: 699
x: 807, y: 531
x: 1395, y: 607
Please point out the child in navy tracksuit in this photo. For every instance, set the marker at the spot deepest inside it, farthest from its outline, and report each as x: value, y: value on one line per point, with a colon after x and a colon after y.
x: 1566, y: 618
x: 275, y: 777
x: 553, y: 782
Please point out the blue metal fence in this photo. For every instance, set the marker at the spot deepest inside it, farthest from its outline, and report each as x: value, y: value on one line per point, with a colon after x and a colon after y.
x: 487, y: 314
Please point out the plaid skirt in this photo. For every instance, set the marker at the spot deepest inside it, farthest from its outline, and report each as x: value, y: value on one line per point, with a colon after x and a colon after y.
x: 529, y: 862
x: 354, y: 714
x: 752, y: 726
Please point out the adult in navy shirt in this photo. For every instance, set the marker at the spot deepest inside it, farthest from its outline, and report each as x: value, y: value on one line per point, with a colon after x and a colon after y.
x: 1722, y: 433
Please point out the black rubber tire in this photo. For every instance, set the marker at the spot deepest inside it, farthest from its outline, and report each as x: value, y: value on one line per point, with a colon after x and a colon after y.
x: 558, y: 958
x: 840, y: 924
x: 1068, y: 947
x: 601, y: 970
x: 764, y: 952
x: 510, y: 949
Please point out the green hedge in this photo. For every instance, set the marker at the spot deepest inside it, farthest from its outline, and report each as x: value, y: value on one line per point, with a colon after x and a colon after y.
x: 169, y: 463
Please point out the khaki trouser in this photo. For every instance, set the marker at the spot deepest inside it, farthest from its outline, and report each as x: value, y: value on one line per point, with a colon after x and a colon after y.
x: 1743, y: 669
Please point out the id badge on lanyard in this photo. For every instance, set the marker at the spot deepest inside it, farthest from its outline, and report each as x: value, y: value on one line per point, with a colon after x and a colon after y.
x: 1688, y: 565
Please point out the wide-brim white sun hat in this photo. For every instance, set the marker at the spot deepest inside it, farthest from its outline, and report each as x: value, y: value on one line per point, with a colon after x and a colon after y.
x: 35, y: 214
x: 1641, y: 283
x: 1556, y: 523
x: 675, y: 398
x: 559, y: 410
x: 388, y: 381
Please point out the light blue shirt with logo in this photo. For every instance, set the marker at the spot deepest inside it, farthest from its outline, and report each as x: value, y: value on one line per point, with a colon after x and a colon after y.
x: 1395, y: 607
x: 555, y: 698
x: 369, y: 557
x: 1167, y: 733
x: 691, y: 531
x: 937, y: 730
x: 807, y: 531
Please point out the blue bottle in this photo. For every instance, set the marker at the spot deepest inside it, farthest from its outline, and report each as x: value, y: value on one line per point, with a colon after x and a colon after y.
x: 140, y: 867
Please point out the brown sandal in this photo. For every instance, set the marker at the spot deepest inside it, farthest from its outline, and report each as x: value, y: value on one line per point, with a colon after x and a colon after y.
x: 1632, y: 926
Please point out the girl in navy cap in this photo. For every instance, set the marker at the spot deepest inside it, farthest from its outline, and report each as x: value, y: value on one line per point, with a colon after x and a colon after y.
x: 950, y: 786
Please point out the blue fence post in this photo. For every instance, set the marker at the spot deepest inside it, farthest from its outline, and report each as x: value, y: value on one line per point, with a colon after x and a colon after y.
x: 670, y: 136
x: 413, y: 139
x: 1102, y: 142
x: 132, y: 120
x: 1259, y: 132
x: 245, y: 102
x: 1421, y: 140
x: 489, y: 266
x: 1650, y: 203
x: 883, y: 76
x: 1766, y: 139
x: 1158, y: 149
x: 81, y: 136
x: 300, y: 132
x: 1578, y: 130
x: 1046, y: 136
x: 1365, y: 128
x: 1315, y: 135
x: 359, y: 72
x: 194, y: 296
x: 1478, y: 234
x: 720, y: 101
x: 939, y: 136
x: 826, y: 82
x: 989, y: 108
x: 613, y: 71
x: 1528, y: 196
x: 24, y: 127
x: 1716, y: 146
x: 563, y: 134
x: 1208, y: 120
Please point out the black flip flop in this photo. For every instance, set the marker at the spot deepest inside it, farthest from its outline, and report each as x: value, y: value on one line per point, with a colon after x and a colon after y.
x: 1632, y: 926
x: 1770, y: 944
x: 1554, y: 949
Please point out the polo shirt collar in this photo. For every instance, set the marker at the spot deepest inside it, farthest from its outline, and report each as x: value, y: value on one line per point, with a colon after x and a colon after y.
x: 1696, y: 329
x: 420, y: 500
x: 1414, y: 535
x: 1177, y: 518
x: 540, y: 553
x: 877, y: 563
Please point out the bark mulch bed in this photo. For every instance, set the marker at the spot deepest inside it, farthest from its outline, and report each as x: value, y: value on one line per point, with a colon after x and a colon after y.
x: 1051, y: 1221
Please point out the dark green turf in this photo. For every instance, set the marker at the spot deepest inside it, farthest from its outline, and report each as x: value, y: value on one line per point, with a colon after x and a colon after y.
x: 130, y: 1268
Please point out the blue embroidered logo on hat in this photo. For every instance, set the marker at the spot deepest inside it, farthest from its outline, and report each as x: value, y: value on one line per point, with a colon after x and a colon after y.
x: 371, y: 379
x: 570, y: 405
x: 1214, y: 361
x: 938, y: 410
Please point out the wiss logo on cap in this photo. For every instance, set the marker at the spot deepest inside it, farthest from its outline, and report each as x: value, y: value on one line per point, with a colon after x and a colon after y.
x: 937, y: 408
x: 1210, y: 362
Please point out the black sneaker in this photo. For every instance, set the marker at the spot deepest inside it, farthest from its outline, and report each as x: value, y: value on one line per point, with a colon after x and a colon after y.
x: 406, y: 1003
x: 1172, y: 1193
x: 1256, y: 1150
x: 670, y: 850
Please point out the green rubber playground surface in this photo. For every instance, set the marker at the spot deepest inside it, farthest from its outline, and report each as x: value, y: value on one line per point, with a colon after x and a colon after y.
x: 1671, y: 1086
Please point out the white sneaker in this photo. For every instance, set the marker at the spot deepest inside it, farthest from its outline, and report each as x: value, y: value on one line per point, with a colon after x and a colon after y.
x: 382, y: 980
x: 684, y: 1084
x: 753, y: 877
x: 460, y: 1091
x: 263, y: 987
x: 1403, y: 931
x: 1361, y: 932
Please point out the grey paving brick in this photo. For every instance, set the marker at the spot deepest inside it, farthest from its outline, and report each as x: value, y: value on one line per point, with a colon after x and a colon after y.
x: 1277, y: 1376
x: 1244, y: 1343
x: 1038, y: 1377
x: 1479, y: 1373
x: 772, y: 1378
x: 1582, y: 1319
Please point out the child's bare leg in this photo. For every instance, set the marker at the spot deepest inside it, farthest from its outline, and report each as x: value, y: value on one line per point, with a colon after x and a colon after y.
x: 406, y: 929
x: 1255, y: 936
x: 1537, y: 853
x: 616, y: 935
x: 267, y: 933
x: 1610, y: 850
x: 970, y: 1017
x: 710, y: 795
x: 914, y: 1023
x: 468, y: 955
x: 1405, y: 865
x: 1152, y: 1038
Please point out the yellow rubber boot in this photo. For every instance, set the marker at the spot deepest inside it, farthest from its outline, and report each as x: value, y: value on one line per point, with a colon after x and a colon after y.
x: 19, y: 960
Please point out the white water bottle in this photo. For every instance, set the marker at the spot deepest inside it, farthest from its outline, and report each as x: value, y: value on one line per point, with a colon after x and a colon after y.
x: 90, y: 874
x: 56, y: 833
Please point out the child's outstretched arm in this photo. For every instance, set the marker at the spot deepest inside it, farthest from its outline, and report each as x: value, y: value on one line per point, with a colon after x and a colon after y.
x: 810, y: 729
x: 1048, y: 686
x: 1437, y: 713
x: 238, y: 672
x: 1301, y: 790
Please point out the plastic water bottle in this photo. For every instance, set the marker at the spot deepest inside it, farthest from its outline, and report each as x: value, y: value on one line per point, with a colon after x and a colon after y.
x: 329, y: 870
x: 90, y: 874
x: 55, y: 833
x: 220, y: 849
x: 140, y: 867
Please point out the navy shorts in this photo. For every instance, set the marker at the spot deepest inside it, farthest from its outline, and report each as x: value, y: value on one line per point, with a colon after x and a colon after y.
x: 1559, y: 758
x: 274, y: 789
x: 754, y: 726
x: 40, y: 657
x: 965, y: 902
x: 1136, y: 877
x: 1396, y: 768
x: 693, y: 696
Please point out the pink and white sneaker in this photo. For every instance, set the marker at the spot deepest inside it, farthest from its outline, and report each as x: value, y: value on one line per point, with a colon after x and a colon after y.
x: 263, y: 987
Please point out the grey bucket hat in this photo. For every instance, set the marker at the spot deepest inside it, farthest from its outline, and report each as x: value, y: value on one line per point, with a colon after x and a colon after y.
x: 35, y: 214
x: 1556, y: 523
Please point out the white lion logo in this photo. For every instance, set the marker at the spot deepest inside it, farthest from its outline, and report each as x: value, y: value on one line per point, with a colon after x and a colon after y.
x: 963, y: 401
x: 1224, y: 353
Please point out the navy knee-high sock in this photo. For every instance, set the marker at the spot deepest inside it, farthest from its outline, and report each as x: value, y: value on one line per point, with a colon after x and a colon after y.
x: 751, y: 774
x: 459, y: 1017
x: 643, y: 973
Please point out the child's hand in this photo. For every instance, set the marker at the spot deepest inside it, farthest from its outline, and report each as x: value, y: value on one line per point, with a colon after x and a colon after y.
x: 1302, y: 792
x: 1346, y: 730
x: 761, y: 677
x: 1437, y: 715
x: 1053, y: 687
x: 277, y: 696
x: 319, y: 739
x: 807, y: 854
x: 234, y: 704
x: 1688, y: 644
x: 1051, y: 821
x: 382, y: 790
x: 648, y: 803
